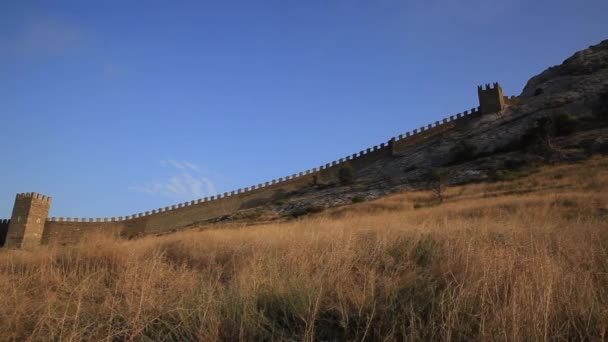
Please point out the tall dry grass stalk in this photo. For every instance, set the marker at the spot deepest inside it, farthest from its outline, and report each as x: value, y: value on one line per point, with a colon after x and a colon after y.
x: 523, y: 260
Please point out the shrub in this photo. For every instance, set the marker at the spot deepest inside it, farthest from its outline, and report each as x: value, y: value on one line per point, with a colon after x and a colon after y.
x: 313, y: 209
x: 461, y: 152
x: 530, y: 137
x: 509, y: 175
x: 434, y: 175
x: 282, y: 310
x: 279, y: 194
x: 425, y: 251
x: 346, y: 175
x: 438, y: 179
x: 358, y: 199
x: 310, y: 209
x: 388, y: 179
x: 603, y: 103
x: 542, y: 130
x: 564, y: 124
x: 515, y: 163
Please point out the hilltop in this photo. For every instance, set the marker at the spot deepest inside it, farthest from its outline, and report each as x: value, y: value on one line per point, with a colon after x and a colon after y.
x: 560, y: 116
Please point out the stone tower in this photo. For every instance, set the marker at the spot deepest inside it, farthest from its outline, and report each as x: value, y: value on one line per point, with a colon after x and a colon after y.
x: 27, y: 222
x: 491, y: 99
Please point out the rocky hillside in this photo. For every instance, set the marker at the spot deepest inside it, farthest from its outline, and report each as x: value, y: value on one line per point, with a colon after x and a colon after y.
x: 561, y: 115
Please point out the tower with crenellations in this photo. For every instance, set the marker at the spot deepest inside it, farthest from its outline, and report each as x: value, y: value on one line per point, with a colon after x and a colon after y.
x: 27, y: 221
x: 491, y: 99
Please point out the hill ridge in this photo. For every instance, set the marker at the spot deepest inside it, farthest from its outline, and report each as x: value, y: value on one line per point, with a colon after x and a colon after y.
x: 493, y: 128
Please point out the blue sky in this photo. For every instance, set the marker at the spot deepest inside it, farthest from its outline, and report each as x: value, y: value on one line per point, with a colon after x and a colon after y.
x: 119, y: 107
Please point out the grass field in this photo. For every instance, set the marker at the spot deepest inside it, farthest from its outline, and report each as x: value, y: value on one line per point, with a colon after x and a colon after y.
x: 520, y: 260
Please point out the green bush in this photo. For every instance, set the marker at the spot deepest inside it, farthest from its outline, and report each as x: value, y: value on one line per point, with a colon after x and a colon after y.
x: 282, y: 310
x: 311, y: 209
x: 461, y: 152
x: 425, y: 251
x: 564, y: 124
x: 434, y: 175
x: 513, y: 164
x: 346, y: 175
x: 509, y: 175
x: 438, y: 179
x: 358, y: 199
x: 535, y: 134
x: 603, y: 103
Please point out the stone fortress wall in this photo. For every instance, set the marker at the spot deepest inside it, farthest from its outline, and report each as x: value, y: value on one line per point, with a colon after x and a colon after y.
x: 29, y: 225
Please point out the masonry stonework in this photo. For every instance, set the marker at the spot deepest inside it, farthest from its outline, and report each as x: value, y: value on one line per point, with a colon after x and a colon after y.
x: 30, y: 225
x: 491, y: 99
x: 27, y: 222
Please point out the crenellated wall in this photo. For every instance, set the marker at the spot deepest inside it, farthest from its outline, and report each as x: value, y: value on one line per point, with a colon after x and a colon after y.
x: 399, y: 145
x: 511, y: 101
x: 70, y: 230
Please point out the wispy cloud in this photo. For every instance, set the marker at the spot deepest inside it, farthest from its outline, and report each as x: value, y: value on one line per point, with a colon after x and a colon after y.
x: 187, y: 181
x: 43, y: 36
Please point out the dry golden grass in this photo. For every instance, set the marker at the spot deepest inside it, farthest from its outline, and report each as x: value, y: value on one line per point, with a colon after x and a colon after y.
x: 520, y: 260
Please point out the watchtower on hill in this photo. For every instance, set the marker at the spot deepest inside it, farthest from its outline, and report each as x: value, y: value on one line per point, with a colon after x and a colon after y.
x: 491, y: 99
x: 27, y: 222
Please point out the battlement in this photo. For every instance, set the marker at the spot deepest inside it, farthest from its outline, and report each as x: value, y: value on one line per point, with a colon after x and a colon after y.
x: 27, y: 221
x: 34, y: 195
x: 489, y: 86
x: 491, y: 99
x: 275, y: 183
x: 30, y: 220
x: 429, y: 130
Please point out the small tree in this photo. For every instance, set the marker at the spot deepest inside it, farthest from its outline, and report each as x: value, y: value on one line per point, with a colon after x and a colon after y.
x: 358, y: 199
x: 564, y: 124
x: 346, y: 175
x: 439, y: 181
x: 545, y: 130
x: 463, y: 151
x: 602, y: 110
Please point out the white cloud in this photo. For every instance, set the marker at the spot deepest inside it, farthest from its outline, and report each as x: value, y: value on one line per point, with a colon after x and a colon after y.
x: 187, y: 181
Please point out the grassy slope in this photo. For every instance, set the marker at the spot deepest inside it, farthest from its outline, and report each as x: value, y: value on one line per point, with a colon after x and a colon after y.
x: 526, y: 259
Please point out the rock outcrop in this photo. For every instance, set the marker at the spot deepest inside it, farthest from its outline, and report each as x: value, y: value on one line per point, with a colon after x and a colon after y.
x: 574, y: 93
